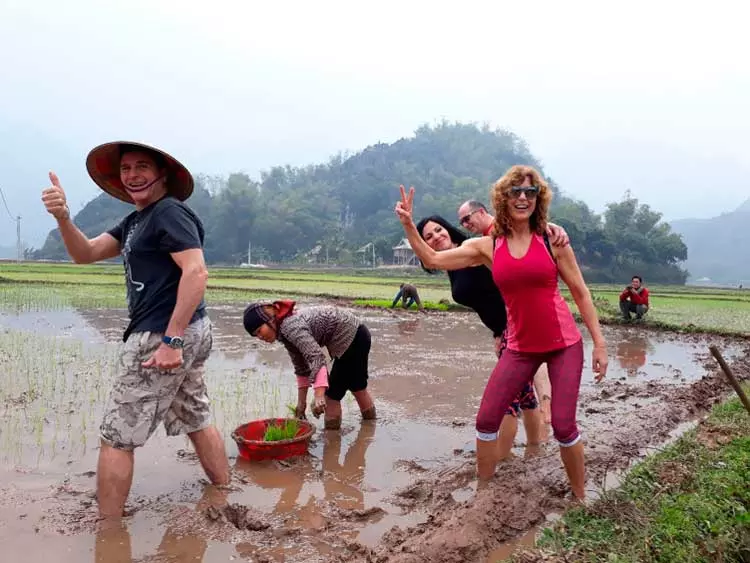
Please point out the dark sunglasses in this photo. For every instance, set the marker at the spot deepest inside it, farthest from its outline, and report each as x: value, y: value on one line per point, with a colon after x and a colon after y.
x: 530, y: 192
x: 465, y: 219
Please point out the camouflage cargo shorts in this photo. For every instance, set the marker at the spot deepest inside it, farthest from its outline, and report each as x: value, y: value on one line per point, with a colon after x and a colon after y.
x: 144, y: 397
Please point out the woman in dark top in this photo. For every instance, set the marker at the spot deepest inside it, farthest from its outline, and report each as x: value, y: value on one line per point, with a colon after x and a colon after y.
x: 474, y: 288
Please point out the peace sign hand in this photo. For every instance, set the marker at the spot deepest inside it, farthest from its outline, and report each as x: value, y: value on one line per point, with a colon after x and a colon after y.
x: 404, y: 207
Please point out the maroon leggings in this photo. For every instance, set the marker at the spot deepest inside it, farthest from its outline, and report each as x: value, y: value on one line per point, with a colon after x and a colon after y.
x: 516, y: 369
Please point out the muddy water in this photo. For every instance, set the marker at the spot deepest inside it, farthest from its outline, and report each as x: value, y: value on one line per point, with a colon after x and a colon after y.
x: 427, y: 374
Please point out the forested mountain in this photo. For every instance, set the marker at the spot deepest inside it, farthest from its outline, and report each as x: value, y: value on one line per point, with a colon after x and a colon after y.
x: 348, y: 202
x: 718, y: 246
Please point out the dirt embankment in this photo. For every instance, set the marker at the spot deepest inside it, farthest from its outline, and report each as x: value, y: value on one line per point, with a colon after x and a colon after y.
x: 525, y: 491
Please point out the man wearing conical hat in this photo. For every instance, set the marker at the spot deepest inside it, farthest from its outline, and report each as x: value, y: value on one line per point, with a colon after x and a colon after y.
x: 168, y: 339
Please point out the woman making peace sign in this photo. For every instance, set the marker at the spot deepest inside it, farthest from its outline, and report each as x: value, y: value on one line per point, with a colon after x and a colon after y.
x: 541, y: 327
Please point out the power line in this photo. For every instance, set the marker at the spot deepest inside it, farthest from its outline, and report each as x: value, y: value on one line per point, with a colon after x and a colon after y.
x: 12, y: 218
x: 17, y: 219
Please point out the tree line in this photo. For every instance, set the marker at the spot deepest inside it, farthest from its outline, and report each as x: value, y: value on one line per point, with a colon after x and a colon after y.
x: 338, y: 207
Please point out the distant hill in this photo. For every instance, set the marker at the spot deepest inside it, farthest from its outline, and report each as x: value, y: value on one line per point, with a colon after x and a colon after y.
x: 719, y: 248
x: 347, y: 203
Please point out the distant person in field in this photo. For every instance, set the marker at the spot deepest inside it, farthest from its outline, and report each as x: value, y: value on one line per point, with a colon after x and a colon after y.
x: 474, y: 217
x: 304, y: 334
x: 160, y: 371
x: 408, y: 294
x: 634, y: 299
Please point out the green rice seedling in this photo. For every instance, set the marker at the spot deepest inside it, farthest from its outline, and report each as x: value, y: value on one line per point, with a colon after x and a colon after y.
x: 386, y: 304
x: 287, y: 431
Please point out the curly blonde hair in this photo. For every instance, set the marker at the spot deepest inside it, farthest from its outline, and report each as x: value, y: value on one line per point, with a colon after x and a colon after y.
x: 500, y: 195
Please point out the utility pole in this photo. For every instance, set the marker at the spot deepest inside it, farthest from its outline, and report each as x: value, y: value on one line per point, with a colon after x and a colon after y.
x: 18, y: 238
x: 250, y: 252
x: 373, y: 255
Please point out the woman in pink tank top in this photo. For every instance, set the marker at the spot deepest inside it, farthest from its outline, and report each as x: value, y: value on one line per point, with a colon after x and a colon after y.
x: 541, y: 328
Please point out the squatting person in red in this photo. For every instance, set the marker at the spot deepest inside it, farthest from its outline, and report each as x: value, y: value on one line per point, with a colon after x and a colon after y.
x: 634, y: 299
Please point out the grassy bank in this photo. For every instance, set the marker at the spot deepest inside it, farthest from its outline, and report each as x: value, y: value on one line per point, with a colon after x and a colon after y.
x: 689, y: 503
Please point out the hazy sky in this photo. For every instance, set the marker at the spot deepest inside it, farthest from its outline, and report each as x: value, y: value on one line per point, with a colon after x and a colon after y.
x: 647, y: 96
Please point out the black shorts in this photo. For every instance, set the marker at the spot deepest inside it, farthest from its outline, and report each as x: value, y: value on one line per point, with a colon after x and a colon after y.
x: 349, y: 372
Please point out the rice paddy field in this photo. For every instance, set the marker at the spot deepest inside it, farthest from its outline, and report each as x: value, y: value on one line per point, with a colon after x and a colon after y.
x: 411, y: 470
x: 30, y: 284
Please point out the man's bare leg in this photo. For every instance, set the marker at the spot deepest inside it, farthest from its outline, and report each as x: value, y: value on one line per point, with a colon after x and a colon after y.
x: 506, y: 436
x: 114, y: 476
x: 533, y: 425
x: 544, y: 393
x: 210, y: 448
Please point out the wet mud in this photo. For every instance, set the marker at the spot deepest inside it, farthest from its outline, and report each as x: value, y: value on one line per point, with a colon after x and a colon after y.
x: 400, y: 488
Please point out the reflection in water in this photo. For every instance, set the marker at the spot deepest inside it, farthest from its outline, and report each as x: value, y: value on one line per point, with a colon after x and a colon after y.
x: 631, y: 352
x: 343, y: 486
x: 342, y: 483
x: 113, y: 538
x: 408, y: 326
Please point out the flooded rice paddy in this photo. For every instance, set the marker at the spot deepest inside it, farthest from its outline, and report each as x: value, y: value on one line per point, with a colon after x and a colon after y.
x: 427, y: 374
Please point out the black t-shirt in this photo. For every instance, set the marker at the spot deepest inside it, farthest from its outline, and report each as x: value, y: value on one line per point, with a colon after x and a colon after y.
x: 147, y: 238
x: 475, y: 288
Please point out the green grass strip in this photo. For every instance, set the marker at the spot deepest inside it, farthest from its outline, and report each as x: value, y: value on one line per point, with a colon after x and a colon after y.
x: 689, y: 503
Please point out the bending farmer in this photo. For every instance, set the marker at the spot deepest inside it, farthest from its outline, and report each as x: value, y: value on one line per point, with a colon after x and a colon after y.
x: 407, y: 291
x: 304, y: 334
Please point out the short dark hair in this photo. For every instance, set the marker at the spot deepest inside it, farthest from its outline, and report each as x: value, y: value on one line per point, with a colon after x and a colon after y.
x: 639, y: 278
x: 155, y: 156
x: 456, y: 236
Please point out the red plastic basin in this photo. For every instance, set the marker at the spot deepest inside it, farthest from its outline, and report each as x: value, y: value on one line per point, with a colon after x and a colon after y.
x: 249, y: 439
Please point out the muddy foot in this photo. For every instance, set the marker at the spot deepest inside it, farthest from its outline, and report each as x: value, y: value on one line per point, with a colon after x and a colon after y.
x: 369, y: 414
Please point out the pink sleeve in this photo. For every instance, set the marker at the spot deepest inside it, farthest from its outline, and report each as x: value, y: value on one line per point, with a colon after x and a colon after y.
x: 303, y: 382
x: 321, y: 379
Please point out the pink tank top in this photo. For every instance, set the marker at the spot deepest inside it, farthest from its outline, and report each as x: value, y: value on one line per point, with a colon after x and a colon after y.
x: 539, y: 319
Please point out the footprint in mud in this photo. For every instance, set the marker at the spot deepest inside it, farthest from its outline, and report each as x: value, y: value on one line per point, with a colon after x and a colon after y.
x: 412, y: 495
x: 187, y: 455
x: 238, y: 515
x: 361, y: 515
x: 410, y: 465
